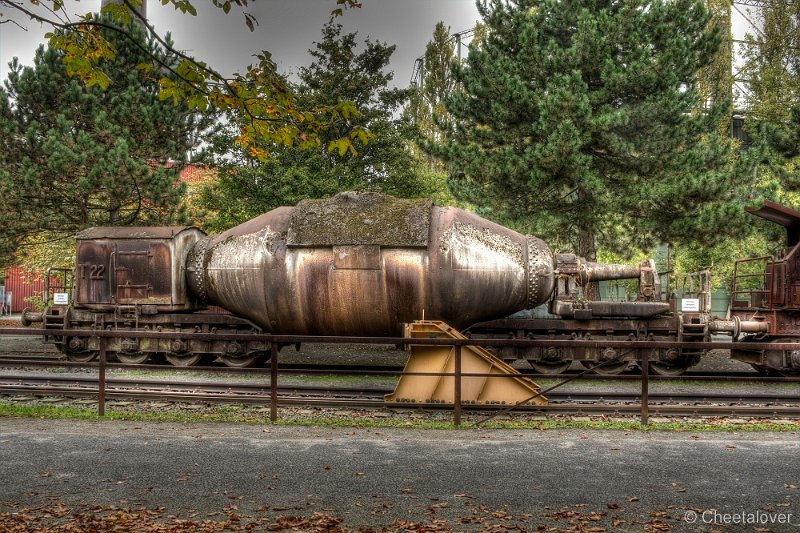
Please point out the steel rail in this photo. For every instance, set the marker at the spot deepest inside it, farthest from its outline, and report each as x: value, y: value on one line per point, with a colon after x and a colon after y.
x: 393, y: 370
x: 264, y: 389
x: 258, y: 394
x: 325, y: 339
x: 175, y: 385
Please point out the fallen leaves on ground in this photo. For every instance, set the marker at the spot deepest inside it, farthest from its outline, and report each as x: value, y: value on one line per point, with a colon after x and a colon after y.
x: 440, y: 517
x: 60, y: 519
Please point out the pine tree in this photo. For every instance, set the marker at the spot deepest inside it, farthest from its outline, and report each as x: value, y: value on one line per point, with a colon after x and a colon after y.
x: 581, y: 121
x: 340, y: 71
x: 715, y: 81
x: 74, y: 157
x: 436, y: 83
x: 772, y: 68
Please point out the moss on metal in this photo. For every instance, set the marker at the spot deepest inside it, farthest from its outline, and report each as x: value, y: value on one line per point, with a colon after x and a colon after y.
x: 351, y: 218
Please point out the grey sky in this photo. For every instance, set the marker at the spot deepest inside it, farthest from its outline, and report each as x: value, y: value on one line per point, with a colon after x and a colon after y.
x: 287, y: 28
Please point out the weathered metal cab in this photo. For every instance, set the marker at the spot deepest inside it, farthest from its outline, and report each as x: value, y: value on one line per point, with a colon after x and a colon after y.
x: 134, y: 266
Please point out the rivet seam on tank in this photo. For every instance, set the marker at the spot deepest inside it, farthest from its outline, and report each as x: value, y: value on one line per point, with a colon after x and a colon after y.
x: 535, y: 257
x: 199, y: 258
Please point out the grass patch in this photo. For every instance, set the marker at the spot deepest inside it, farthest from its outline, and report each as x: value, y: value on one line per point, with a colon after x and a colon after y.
x: 234, y: 414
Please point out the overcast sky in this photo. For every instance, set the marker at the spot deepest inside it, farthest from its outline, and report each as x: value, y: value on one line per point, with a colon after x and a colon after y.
x: 287, y: 28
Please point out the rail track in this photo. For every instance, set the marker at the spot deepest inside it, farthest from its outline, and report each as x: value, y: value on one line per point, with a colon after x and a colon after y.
x: 24, y: 372
x: 46, y: 361
x: 567, y: 402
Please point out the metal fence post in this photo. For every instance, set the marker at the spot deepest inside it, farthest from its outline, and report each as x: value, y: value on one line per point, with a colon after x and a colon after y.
x: 273, y: 382
x: 457, y: 387
x: 101, y: 386
x: 645, y: 387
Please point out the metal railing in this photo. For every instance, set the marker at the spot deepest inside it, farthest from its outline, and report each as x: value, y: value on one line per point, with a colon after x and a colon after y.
x: 755, y: 296
x: 275, y: 341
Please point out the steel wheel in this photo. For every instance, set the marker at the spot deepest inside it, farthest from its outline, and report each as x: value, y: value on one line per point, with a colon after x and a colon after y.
x: 608, y: 369
x: 138, y: 358
x: 83, y: 357
x: 245, y: 361
x: 784, y: 372
x: 544, y: 367
x: 184, y: 360
x: 661, y: 368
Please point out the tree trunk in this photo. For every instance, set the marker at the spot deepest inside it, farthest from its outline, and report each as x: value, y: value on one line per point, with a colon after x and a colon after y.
x: 113, y: 212
x: 587, y: 250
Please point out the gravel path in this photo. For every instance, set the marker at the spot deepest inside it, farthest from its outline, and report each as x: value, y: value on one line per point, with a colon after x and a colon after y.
x: 458, y: 480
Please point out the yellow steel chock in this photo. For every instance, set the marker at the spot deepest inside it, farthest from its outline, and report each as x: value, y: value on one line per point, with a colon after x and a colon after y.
x: 475, y: 390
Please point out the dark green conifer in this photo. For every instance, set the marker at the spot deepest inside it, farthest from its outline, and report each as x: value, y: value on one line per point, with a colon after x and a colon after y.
x: 772, y: 70
x: 74, y: 156
x: 341, y: 70
x: 581, y: 120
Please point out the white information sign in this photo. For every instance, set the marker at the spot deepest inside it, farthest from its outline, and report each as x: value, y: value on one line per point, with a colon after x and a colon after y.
x: 691, y: 305
x: 61, y: 298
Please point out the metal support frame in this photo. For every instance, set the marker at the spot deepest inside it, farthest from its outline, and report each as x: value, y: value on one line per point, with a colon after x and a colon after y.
x: 273, y: 382
x: 645, y: 399
x: 457, y: 387
x: 101, y: 387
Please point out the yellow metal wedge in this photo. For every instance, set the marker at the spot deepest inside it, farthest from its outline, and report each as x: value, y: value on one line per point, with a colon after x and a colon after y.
x: 479, y: 390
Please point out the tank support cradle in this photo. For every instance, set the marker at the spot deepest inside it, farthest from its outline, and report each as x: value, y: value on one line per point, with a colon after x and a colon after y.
x: 475, y: 390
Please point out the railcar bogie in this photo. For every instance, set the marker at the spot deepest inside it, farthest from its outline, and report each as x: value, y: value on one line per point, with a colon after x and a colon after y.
x: 179, y: 352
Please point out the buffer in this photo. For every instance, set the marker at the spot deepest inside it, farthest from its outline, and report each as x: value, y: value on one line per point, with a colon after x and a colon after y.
x: 476, y: 390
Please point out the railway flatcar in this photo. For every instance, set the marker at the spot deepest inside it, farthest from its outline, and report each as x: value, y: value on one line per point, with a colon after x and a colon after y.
x: 362, y: 264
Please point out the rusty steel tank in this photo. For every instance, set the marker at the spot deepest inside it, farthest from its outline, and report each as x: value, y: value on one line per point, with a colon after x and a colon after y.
x: 362, y: 264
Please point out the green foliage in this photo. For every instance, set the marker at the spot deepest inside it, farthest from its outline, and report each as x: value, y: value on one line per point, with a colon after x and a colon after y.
x: 436, y: 83
x: 581, y: 121
x: 73, y: 156
x: 378, y: 158
x: 272, y: 111
x: 715, y: 80
x: 772, y: 67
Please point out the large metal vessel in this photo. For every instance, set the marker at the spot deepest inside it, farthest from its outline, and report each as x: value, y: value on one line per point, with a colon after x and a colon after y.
x: 365, y: 263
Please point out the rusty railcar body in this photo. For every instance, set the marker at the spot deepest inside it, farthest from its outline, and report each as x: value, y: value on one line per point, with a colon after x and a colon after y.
x: 767, y: 290
x: 137, y: 267
x: 134, y: 278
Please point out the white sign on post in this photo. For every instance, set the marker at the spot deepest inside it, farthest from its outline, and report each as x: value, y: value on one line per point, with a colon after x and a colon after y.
x: 61, y: 298
x: 690, y: 305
